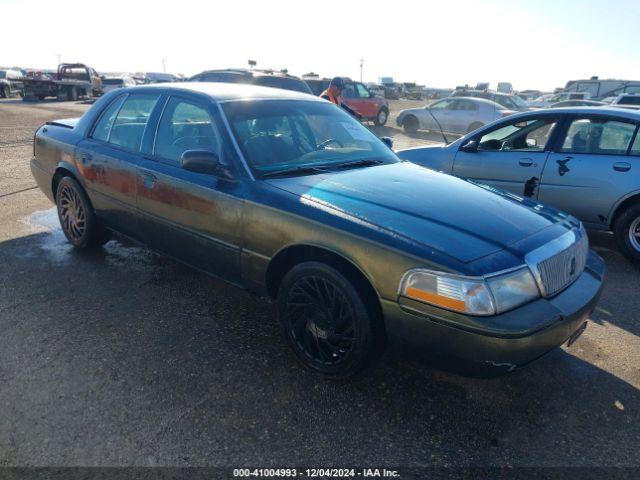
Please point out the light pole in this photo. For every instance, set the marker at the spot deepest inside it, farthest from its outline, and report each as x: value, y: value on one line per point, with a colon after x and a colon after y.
x: 164, y: 70
x: 59, y: 57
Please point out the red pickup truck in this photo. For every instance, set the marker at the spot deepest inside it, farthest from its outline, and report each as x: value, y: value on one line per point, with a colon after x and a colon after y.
x: 357, y: 97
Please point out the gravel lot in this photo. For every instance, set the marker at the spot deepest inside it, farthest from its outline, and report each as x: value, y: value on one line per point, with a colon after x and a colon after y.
x: 123, y: 357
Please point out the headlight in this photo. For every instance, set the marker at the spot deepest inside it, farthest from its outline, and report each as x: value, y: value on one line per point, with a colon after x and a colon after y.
x: 471, y: 295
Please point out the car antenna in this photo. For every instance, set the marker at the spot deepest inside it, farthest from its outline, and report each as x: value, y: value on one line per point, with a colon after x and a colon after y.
x: 446, y: 140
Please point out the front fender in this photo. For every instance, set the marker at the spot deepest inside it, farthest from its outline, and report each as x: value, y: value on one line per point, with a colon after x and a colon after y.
x: 435, y: 157
x: 618, y: 203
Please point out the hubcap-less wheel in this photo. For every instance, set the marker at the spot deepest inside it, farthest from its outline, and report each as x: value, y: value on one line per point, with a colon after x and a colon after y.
x: 321, y: 321
x: 73, y: 215
x: 410, y: 125
x: 634, y: 234
x: 382, y: 117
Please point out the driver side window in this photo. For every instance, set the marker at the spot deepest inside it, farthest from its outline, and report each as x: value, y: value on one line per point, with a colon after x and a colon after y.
x: 524, y: 136
x: 349, y: 91
x: 185, y: 126
x: 362, y: 91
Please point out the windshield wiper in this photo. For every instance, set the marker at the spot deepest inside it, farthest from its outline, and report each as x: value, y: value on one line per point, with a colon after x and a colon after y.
x: 357, y: 163
x: 294, y: 171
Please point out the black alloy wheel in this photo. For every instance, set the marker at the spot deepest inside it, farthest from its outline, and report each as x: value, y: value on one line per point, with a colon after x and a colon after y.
x: 325, y: 320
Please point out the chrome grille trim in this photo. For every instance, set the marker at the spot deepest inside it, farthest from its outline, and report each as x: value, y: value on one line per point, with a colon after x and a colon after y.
x: 557, y: 264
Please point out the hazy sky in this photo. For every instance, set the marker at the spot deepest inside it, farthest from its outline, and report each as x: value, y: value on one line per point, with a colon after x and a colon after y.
x: 533, y: 44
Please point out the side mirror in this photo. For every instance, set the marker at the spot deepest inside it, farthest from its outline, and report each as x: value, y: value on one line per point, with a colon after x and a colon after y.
x: 203, y: 161
x: 471, y: 146
x: 388, y: 141
x: 532, y: 142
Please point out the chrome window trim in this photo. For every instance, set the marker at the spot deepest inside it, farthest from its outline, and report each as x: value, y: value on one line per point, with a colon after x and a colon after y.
x: 234, y: 141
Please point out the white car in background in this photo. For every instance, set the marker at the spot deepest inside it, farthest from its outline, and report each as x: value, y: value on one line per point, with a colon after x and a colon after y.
x: 459, y: 115
x: 550, y: 99
x: 112, y: 83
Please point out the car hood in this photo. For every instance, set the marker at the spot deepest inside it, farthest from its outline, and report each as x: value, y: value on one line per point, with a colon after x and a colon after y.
x: 442, y: 212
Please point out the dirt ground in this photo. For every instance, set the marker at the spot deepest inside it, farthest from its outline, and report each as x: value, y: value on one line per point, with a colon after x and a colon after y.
x: 124, y: 357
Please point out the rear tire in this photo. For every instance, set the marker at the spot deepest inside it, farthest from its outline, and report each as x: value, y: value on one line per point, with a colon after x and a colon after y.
x: 325, y: 320
x: 72, y: 94
x: 77, y: 219
x: 381, y: 118
x: 627, y: 232
x: 474, y: 126
x: 410, y: 124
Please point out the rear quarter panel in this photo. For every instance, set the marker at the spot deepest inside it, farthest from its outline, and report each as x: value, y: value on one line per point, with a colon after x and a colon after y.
x: 54, y: 147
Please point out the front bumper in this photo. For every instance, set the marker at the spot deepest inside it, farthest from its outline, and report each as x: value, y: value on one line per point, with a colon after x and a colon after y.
x: 502, y: 342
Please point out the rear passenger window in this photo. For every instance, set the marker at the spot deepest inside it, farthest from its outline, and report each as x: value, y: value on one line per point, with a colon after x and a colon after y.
x: 185, y: 126
x: 128, y: 128
x: 103, y: 127
x: 598, y: 136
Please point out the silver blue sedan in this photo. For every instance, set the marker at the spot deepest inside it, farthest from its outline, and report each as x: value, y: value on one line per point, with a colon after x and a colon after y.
x: 583, y: 160
x: 457, y: 115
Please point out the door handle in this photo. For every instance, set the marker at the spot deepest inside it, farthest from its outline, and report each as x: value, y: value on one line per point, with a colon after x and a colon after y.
x: 85, y: 158
x: 525, y: 162
x: 622, y: 166
x: 148, y: 180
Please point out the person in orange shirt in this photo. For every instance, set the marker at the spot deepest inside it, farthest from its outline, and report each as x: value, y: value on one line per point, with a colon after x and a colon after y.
x: 334, y: 95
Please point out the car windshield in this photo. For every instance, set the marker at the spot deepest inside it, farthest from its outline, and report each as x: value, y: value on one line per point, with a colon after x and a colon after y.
x: 284, y: 135
x: 3, y: 74
x: 509, y: 102
x: 520, y: 103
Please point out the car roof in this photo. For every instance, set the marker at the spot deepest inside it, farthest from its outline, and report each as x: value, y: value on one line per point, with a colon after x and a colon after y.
x: 487, y: 92
x: 482, y: 101
x: 223, y: 92
x: 249, y: 73
x: 601, y: 111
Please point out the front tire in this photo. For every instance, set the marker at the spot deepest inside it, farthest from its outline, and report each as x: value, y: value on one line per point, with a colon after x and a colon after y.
x: 410, y: 124
x: 381, y: 117
x: 72, y: 94
x: 627, y: 232
x: 5, y: 92
x: 78, y: 222
x: 325, y: 320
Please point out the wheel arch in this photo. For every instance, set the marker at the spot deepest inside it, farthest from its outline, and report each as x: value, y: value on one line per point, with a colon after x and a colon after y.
x: 621, y: 205
x: 292, y: 255
x: 64, y: 169
x: 410, y: 115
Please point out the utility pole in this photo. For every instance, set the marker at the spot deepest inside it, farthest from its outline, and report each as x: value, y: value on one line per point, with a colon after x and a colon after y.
x: 361, y: 65
x: 164, y: 70
x: 59, y: 57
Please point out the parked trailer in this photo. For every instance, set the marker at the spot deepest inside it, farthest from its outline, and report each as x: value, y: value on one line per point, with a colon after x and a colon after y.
x: 599, y: 89
x: 71, y: 81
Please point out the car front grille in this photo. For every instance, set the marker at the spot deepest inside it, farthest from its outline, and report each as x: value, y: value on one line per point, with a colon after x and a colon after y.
x: 559, y: 263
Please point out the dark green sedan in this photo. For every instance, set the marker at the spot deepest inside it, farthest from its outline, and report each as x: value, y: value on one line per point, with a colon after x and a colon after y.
x: 286, y: 195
